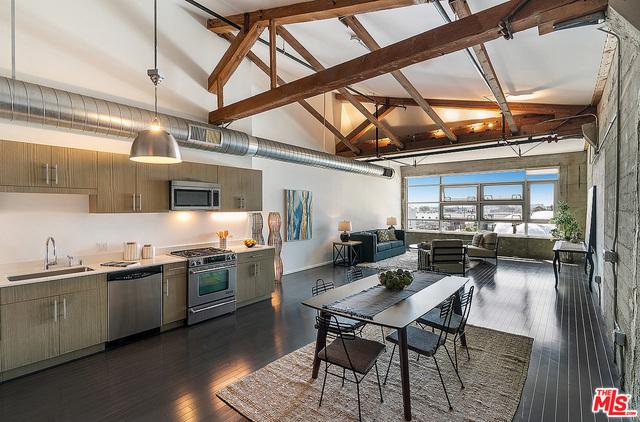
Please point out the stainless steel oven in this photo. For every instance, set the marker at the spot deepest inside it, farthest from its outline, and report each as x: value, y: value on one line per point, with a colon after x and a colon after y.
x: 187, y: 195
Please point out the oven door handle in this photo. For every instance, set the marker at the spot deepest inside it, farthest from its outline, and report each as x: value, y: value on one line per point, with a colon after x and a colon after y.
x: 208, y: 270
x: 210, y: 307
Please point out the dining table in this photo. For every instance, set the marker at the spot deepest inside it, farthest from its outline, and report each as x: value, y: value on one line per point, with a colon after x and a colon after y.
x: 397, y: 316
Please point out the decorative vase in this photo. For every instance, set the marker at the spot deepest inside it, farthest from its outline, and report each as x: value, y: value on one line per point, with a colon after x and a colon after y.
x: 275, y: 240
x: 344, y: 237
x: 256, y: 227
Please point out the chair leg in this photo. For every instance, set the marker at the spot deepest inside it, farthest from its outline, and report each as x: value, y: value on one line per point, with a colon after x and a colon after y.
x: 389, y: 367
x: 455, y: 365
x: 379, y: 385
x: 323, y: 384
x: 343, y: 376
x: 358, y: 390
x: 455, y: 353
x: 442, y: 381
x: 382, y: 332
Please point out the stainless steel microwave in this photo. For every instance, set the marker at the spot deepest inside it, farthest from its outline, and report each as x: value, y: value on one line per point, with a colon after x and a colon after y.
x: 201, y: 196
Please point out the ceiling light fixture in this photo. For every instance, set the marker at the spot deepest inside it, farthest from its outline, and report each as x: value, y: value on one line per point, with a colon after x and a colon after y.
x: 155, y: 145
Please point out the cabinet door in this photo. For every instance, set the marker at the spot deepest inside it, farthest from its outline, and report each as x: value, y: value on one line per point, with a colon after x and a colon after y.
x: 33, y: 330
x: 230, y: 180
x: 265, y: 277
x: 23, y: 164
x: 174, y: 299
x: 76, y: 168
x: 152, y: 187
x: 194, y: 172
x: 246, y: 282
x: 252, y: 190
x: 121, y: 184
x: 81, y: 320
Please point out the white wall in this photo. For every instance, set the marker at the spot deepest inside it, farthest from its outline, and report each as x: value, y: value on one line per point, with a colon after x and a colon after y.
x: 103, y: 49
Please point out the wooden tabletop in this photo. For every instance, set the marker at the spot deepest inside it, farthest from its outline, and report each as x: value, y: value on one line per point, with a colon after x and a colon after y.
x: 564, y: 246
x: 402, y: 313
x: 348, y: 243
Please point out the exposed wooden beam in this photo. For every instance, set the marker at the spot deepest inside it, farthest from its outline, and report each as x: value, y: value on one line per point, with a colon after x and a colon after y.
x: 273, y: 69
x: 234, y: 55
x: 366, y: 125
x: 318, y: 67
x: 319, y: 117
x: 519, y: 107
x: 461, y: 8
x: 478, y: 28
x: 475, y: 132
x: 310, y: 11
x: 361, y: 32
x: 608, y: 55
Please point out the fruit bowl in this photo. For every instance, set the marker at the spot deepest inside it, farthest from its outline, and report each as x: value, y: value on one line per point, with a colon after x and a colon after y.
x: 249, y: 243
x: 395, y: 279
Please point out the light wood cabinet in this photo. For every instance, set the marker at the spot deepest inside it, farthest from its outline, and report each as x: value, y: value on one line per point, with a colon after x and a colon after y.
x: 29, y: 332
x: 152, y: 187
x: 194, y: 172
x: 174, y: 294
x: 256, y: 276
x: 45, y: 320
x: 241, y: 189
x: 42, y: 168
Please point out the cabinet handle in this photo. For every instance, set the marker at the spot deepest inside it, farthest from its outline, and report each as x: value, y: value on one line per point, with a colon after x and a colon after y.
x: 64, y: 308
x: 55, y: 310
x: 47, y: 177
x: 139, y: 202
x: 166, y: 291
x: 55, y: 169
x: 134, y: 202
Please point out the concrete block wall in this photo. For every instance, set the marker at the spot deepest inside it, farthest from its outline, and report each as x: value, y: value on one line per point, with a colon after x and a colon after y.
x: 603, y: 170
x: 572, y: 188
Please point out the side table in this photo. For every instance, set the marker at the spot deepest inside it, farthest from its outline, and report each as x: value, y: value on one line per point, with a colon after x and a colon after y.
x: 345, y: 253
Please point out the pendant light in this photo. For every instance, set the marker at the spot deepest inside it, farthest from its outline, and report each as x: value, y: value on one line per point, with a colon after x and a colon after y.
x: 155, y: 145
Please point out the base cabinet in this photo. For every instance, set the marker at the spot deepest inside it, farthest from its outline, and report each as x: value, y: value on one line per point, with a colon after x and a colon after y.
x: 256, y: 276
x: 43, y: 321
x: 174, y: 293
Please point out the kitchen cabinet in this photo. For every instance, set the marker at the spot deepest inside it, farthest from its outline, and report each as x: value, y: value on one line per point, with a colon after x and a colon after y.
x: 174, y: 293
x: 46, y: 320
x: 42, y: 168
x: 196, y: 172
x: 256, y: 276
x: 152, y: 187
x: 241, y: 189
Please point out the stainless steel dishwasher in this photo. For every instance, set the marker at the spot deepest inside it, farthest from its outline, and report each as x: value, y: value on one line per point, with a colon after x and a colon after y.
x: 135, y: 301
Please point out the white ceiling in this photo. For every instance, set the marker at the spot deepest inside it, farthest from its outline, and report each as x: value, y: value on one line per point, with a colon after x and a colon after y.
x: 556, y: 68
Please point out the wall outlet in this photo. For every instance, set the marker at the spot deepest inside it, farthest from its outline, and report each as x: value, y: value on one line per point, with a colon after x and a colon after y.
x: 598, y: 279
x: 610, y: 256
x: 103, y: 246
x: 619, y: 337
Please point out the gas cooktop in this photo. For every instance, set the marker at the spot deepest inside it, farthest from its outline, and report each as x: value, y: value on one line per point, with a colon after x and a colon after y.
x: 201, y: 252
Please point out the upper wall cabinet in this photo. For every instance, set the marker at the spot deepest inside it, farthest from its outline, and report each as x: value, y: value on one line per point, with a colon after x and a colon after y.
x: 28, y: 167
x: 194, y: 172
x: 241, y: 189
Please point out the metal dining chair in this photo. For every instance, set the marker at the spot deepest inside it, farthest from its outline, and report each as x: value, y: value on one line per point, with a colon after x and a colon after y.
x: 347, y: 324
x: 351, y: 353
x: 427, y: 343
x: 354, y: 274
x: 458, y: 324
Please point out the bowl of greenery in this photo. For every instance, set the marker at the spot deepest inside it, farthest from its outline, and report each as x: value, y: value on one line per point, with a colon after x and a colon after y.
x: 395, y: 279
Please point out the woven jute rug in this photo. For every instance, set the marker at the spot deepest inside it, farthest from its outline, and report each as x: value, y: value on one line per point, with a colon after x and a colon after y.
x: 407, y: 261
x: 494, y: 378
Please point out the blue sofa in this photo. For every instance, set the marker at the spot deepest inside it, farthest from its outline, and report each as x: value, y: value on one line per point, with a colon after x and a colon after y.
x: 372, y: 251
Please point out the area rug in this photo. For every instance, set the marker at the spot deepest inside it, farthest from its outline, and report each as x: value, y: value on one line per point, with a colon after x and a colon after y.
x: 494, y: 379
x: 407, y: 261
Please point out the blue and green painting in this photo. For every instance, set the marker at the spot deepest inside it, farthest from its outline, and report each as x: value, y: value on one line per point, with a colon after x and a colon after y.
x: 299, y: 207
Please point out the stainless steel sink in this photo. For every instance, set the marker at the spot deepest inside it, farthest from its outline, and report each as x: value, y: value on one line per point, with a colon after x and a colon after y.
x: 50, y: 273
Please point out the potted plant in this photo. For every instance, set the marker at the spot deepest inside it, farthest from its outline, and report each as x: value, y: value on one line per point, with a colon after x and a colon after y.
x: 567, y: 227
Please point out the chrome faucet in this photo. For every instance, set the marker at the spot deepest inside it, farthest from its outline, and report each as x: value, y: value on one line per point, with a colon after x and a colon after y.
x: 47, y: 261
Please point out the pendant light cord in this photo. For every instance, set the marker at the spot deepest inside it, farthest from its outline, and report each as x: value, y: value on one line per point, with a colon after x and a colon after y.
x: 155, y: 56
x: 13, y: 39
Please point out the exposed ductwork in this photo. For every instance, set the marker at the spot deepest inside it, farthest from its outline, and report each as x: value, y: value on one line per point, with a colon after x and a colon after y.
x: 44, y: 106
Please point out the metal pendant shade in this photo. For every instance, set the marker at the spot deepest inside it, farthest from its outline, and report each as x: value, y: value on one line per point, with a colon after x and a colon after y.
x: 155, y: 145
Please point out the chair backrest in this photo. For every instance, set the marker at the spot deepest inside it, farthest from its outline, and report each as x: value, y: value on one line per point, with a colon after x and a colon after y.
x: 465, y: 302
x: 337, y: 332
x: 446, y: 312
x: 353, y: 274
x: 321, y: 287
x: 448, y: 255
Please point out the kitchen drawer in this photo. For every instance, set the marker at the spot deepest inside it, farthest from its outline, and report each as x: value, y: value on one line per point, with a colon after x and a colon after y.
x: 80, y: 284
x: 255, y: 255
x: 174, y: 268
x: 26, y: 292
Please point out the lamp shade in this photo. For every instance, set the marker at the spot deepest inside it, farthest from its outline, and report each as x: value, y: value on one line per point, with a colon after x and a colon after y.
x: 344, y: 226
x: 392, y: 221
x: 155, y: 146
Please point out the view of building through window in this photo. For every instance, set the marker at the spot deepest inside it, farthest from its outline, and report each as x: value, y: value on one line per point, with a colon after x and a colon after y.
x: 519, y: 202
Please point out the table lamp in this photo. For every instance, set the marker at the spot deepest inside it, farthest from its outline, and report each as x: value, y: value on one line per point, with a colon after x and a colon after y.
x: 392, y: 221
x: 345, y: 228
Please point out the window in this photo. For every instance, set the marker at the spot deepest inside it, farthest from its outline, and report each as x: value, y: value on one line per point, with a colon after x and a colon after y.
x: 519, y: 202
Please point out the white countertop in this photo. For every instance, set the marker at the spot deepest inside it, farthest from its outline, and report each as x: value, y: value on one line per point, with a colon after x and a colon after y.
x: 93, y: 262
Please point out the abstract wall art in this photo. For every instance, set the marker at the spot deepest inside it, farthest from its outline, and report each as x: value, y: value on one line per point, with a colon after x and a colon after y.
x: 298, y: 204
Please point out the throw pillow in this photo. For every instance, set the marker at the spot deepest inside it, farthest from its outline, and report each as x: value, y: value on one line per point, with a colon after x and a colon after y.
x: 383, y: 235
x: 477, y: 240
x: 392, y: 234
x: 490, y: 240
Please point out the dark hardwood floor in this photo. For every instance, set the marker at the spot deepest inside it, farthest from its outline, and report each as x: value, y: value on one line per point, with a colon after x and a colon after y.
x: 174, y: 376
